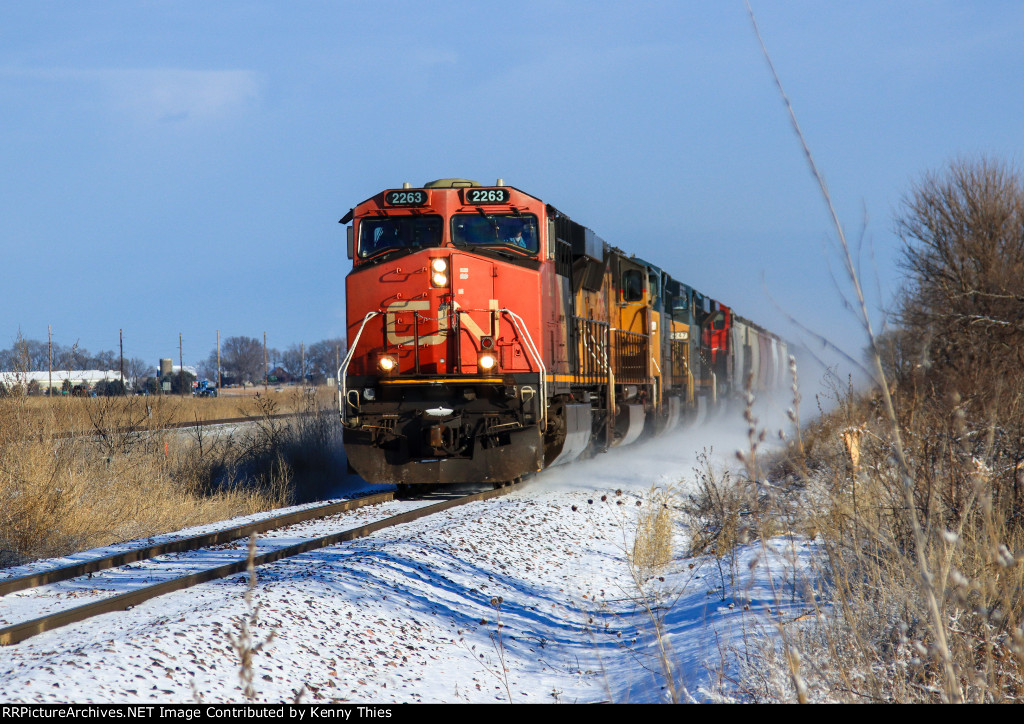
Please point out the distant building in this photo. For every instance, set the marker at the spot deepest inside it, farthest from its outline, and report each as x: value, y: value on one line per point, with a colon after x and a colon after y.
x: 57, y: 377
x: 278, y: 375
x: 168, y: 372
x: 175, y: 369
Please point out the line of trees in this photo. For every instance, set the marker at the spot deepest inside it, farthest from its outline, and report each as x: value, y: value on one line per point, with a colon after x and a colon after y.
x: 242, y: 361
x: 31, y: 354
x: 28, y: 355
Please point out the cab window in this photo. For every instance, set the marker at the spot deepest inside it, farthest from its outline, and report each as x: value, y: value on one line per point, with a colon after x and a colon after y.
x: 632, y: 285
x: 380, y: 234
x: 515, y: 231
x: 680, y: 308
x: 654, y: 284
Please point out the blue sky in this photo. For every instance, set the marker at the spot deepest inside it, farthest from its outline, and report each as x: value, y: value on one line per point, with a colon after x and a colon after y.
x: 180, y: 167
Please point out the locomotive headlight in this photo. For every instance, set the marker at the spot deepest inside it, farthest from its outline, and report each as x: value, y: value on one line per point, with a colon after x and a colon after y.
x: 387, y: 363
x: 439, y: 272
x: 487, y: 361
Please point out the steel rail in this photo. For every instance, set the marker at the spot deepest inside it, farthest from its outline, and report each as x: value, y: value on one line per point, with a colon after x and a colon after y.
x: 182, y: 425
x: 19, y: 632
x: 74, y: 570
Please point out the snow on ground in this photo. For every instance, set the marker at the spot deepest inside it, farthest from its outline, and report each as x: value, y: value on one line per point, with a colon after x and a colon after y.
x: 520, y: 598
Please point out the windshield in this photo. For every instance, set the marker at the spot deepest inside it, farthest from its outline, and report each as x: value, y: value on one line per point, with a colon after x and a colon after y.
x: 505, y: 230
x: 380, y: 234
x: 678, y: 301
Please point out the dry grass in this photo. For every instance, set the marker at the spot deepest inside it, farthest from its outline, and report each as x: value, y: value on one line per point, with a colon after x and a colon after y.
x: 80, y: 414
x: 915, y: 488
x: 878, y: 640
x: 60, y: 495
x: 954, y: 514
x: 655, y: 528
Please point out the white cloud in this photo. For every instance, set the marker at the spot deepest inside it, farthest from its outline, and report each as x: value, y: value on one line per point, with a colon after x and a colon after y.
x: 184, y: 95
x: 161, y: 95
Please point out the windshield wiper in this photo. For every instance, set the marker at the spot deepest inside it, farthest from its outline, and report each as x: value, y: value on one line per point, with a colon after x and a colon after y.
x: 492, y: 222
x: 382, y: 255
x: 508, y: 252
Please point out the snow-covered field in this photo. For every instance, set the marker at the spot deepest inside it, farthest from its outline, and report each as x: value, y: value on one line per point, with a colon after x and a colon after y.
x: 521, y: 598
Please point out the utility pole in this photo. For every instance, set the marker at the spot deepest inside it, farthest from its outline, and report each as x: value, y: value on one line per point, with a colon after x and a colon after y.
x: 218, y: 361
x: 120, y: 333
x: 181, y: 367
x: 302, y: 346
x: 49, y: 362
x: 266, y: 371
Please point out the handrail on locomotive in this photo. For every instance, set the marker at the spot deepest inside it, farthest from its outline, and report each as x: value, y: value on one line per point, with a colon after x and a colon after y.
x: 517, y: 322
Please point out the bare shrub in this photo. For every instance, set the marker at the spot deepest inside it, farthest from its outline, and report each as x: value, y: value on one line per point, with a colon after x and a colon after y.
x: 652, y: 543
x: 717, y: 511
x: 292, y: 460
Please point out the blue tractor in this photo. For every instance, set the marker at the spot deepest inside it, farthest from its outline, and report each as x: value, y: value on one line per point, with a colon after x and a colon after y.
x: 204, y: 388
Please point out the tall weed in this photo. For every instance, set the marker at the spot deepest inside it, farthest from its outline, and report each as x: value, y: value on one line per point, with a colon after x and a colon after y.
x: 77, y: 474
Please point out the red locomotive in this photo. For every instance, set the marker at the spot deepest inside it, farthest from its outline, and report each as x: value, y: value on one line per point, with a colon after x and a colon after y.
x: 490, y: 336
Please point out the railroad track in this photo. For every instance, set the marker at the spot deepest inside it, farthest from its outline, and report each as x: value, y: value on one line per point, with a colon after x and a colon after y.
x: 183, y: 425
x: 15, y: 633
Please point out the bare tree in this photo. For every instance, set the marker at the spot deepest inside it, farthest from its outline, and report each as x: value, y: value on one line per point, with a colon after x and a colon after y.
x: 105, y: 360
x: 70, y: 358
x: 322, y: 359
x: 135, y: 369
x: 24, y: 355
x: 898, y: 352
x: 208, y: 367
x: 963, y: 252
x: 242, y: 359
x: 292, y: 361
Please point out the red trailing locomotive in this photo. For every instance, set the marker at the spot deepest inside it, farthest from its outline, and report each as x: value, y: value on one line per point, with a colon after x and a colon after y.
x: 490, y: 336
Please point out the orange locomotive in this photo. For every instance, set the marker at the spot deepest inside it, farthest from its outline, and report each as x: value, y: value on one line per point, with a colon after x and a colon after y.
x: 491, y: 336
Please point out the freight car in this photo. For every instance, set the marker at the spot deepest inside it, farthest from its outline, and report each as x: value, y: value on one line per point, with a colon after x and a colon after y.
x: 491, y: 336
